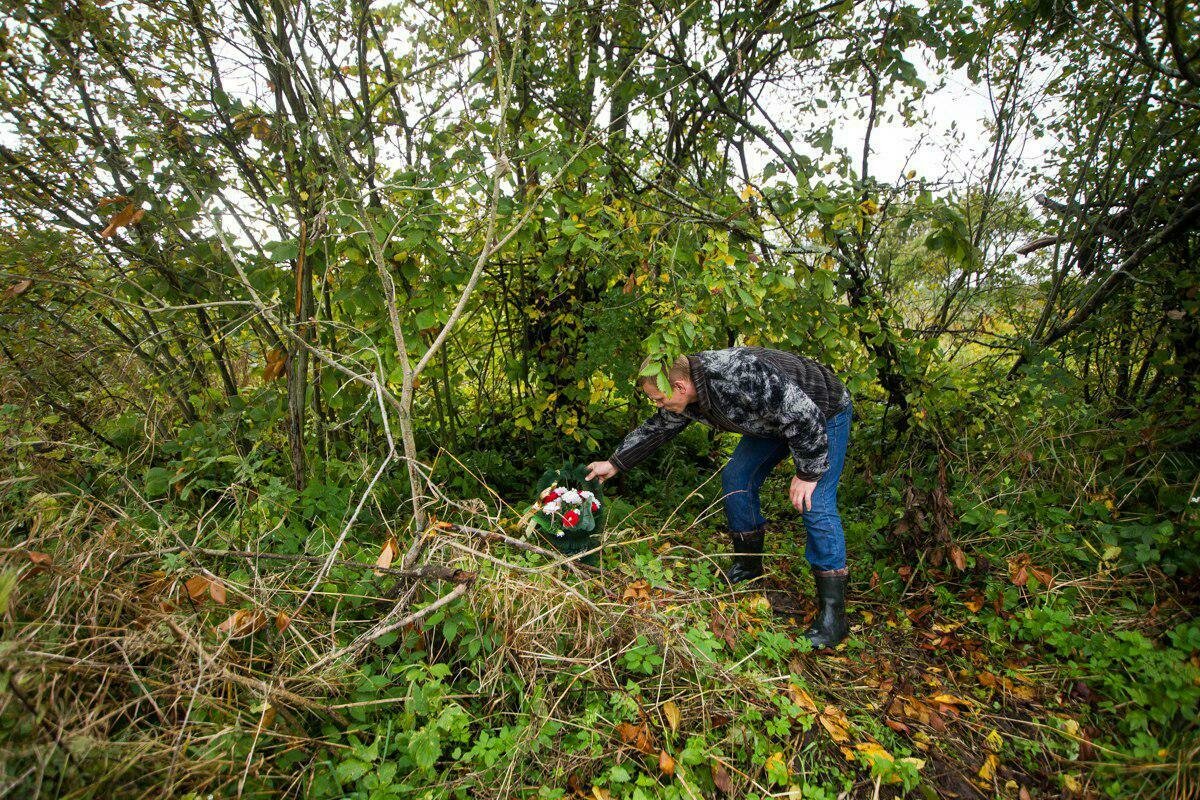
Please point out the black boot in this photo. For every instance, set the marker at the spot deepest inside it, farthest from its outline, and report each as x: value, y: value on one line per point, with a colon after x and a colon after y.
x: 829, y: 626
x: 747, y: 563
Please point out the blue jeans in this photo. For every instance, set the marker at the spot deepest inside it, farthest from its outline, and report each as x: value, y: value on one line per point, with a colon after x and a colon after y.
x: 752, y: 462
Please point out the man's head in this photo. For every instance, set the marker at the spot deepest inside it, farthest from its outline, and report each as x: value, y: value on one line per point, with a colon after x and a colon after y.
x: 682, y: 390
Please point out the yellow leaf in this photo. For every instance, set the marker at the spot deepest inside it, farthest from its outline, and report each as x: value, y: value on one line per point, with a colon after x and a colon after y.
x: 671, y: 712
x: 988, y: 770
x: 995, y: 741
x: 873, y: 750
x: 835, y: 723
x: 802, y: 699
x: 601, y: 794
x: 1071, y: 783
x: 775, y: 765
x: 869, y: 207
x: 282, y: 621
x: 749, y: 192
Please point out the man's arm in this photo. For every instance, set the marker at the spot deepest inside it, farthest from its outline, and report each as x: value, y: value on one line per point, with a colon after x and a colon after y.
x: 804, y: 429
x: 648, y: 437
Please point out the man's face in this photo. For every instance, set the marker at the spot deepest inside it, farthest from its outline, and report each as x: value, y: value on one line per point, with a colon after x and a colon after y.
x: 676, y: 401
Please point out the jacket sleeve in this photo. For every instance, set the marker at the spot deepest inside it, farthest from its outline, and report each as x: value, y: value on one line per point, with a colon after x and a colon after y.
x: 803, y: 425
x: 648, y: 437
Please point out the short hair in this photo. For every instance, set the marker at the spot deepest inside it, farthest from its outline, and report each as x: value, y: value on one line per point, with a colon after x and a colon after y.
x: 680, y: 370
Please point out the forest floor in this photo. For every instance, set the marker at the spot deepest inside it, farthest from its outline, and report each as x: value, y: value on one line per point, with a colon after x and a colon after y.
x: 141, y: 671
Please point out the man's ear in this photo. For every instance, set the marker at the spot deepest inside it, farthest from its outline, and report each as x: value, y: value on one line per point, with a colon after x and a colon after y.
x: 678, y: 385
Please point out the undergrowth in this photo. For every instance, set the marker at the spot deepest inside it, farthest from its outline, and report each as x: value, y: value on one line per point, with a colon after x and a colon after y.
x: 1023, y: 626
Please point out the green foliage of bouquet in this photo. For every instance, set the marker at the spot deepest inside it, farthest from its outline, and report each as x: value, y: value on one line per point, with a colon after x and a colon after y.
x: 570, y: 511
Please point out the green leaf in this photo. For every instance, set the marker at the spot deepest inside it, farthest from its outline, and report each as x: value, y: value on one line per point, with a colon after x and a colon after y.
x: 425, y: 748
x: 352, y: 770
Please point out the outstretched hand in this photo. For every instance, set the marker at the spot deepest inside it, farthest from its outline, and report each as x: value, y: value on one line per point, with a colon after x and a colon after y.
x: 801, y: 494
x: 601, y: 470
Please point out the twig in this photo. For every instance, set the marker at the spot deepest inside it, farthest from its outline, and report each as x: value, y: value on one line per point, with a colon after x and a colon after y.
x: 385, y: 627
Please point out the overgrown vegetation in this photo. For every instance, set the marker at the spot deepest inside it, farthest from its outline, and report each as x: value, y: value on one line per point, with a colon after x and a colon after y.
x: 298, y: 301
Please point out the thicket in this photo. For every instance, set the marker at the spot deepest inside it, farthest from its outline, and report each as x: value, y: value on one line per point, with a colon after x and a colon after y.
x: 298, y: 302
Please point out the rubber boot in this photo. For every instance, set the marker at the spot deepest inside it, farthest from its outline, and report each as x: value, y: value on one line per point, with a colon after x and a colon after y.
x: 747, y: 559
x: 829, y: 626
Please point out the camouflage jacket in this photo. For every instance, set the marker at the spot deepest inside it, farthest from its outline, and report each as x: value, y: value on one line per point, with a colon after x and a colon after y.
x: 753, y: 391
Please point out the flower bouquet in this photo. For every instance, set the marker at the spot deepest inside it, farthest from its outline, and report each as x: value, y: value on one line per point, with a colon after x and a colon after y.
x: 569, y: 511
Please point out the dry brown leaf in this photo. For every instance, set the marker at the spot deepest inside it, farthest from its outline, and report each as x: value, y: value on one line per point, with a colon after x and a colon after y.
x: 276, y: 363
x: 721, y: 778
x: 216, y: 590
x: 723, y: 630
x: 638, y: 736
x: 108, y: 201
x: 20, y: 287
x: 666, y: 764
x: 628, y: 732
x: 391, y: 549
x: 951, y: 700
x: 1043, y: 577
x: 1023, y: 794
x: 197, y: 588
x: 958, y: 557
x: 899, y: 727
x: 129, y: 215
x: 601, y: 793
x: 282, y: 621
x: 1018, y: 569
x: 974, y: 602
x: 243, y: 622
x: 40, y: 559
x: 671, y: 713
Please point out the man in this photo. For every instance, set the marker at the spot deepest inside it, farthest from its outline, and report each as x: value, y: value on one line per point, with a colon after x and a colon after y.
x: 781, y: 404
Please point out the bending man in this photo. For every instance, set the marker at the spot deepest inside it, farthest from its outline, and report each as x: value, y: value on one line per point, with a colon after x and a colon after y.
x: 782, y: 404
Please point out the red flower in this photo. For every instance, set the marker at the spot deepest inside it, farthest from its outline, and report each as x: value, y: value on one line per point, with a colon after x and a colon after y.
x: 595, y: 506
x: 570, y: 519
x: 547, y: 497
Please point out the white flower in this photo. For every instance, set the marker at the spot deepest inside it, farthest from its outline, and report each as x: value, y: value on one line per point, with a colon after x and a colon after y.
x: 571, y: 496
x: 552, y: 507
x: 586, y: 495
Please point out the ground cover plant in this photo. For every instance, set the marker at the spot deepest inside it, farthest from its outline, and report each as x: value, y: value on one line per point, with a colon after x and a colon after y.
x: 301, y: 303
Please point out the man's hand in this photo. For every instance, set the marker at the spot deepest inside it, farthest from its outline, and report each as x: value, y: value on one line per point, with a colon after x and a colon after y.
x: 801, y: 494
x: 602, y: 470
